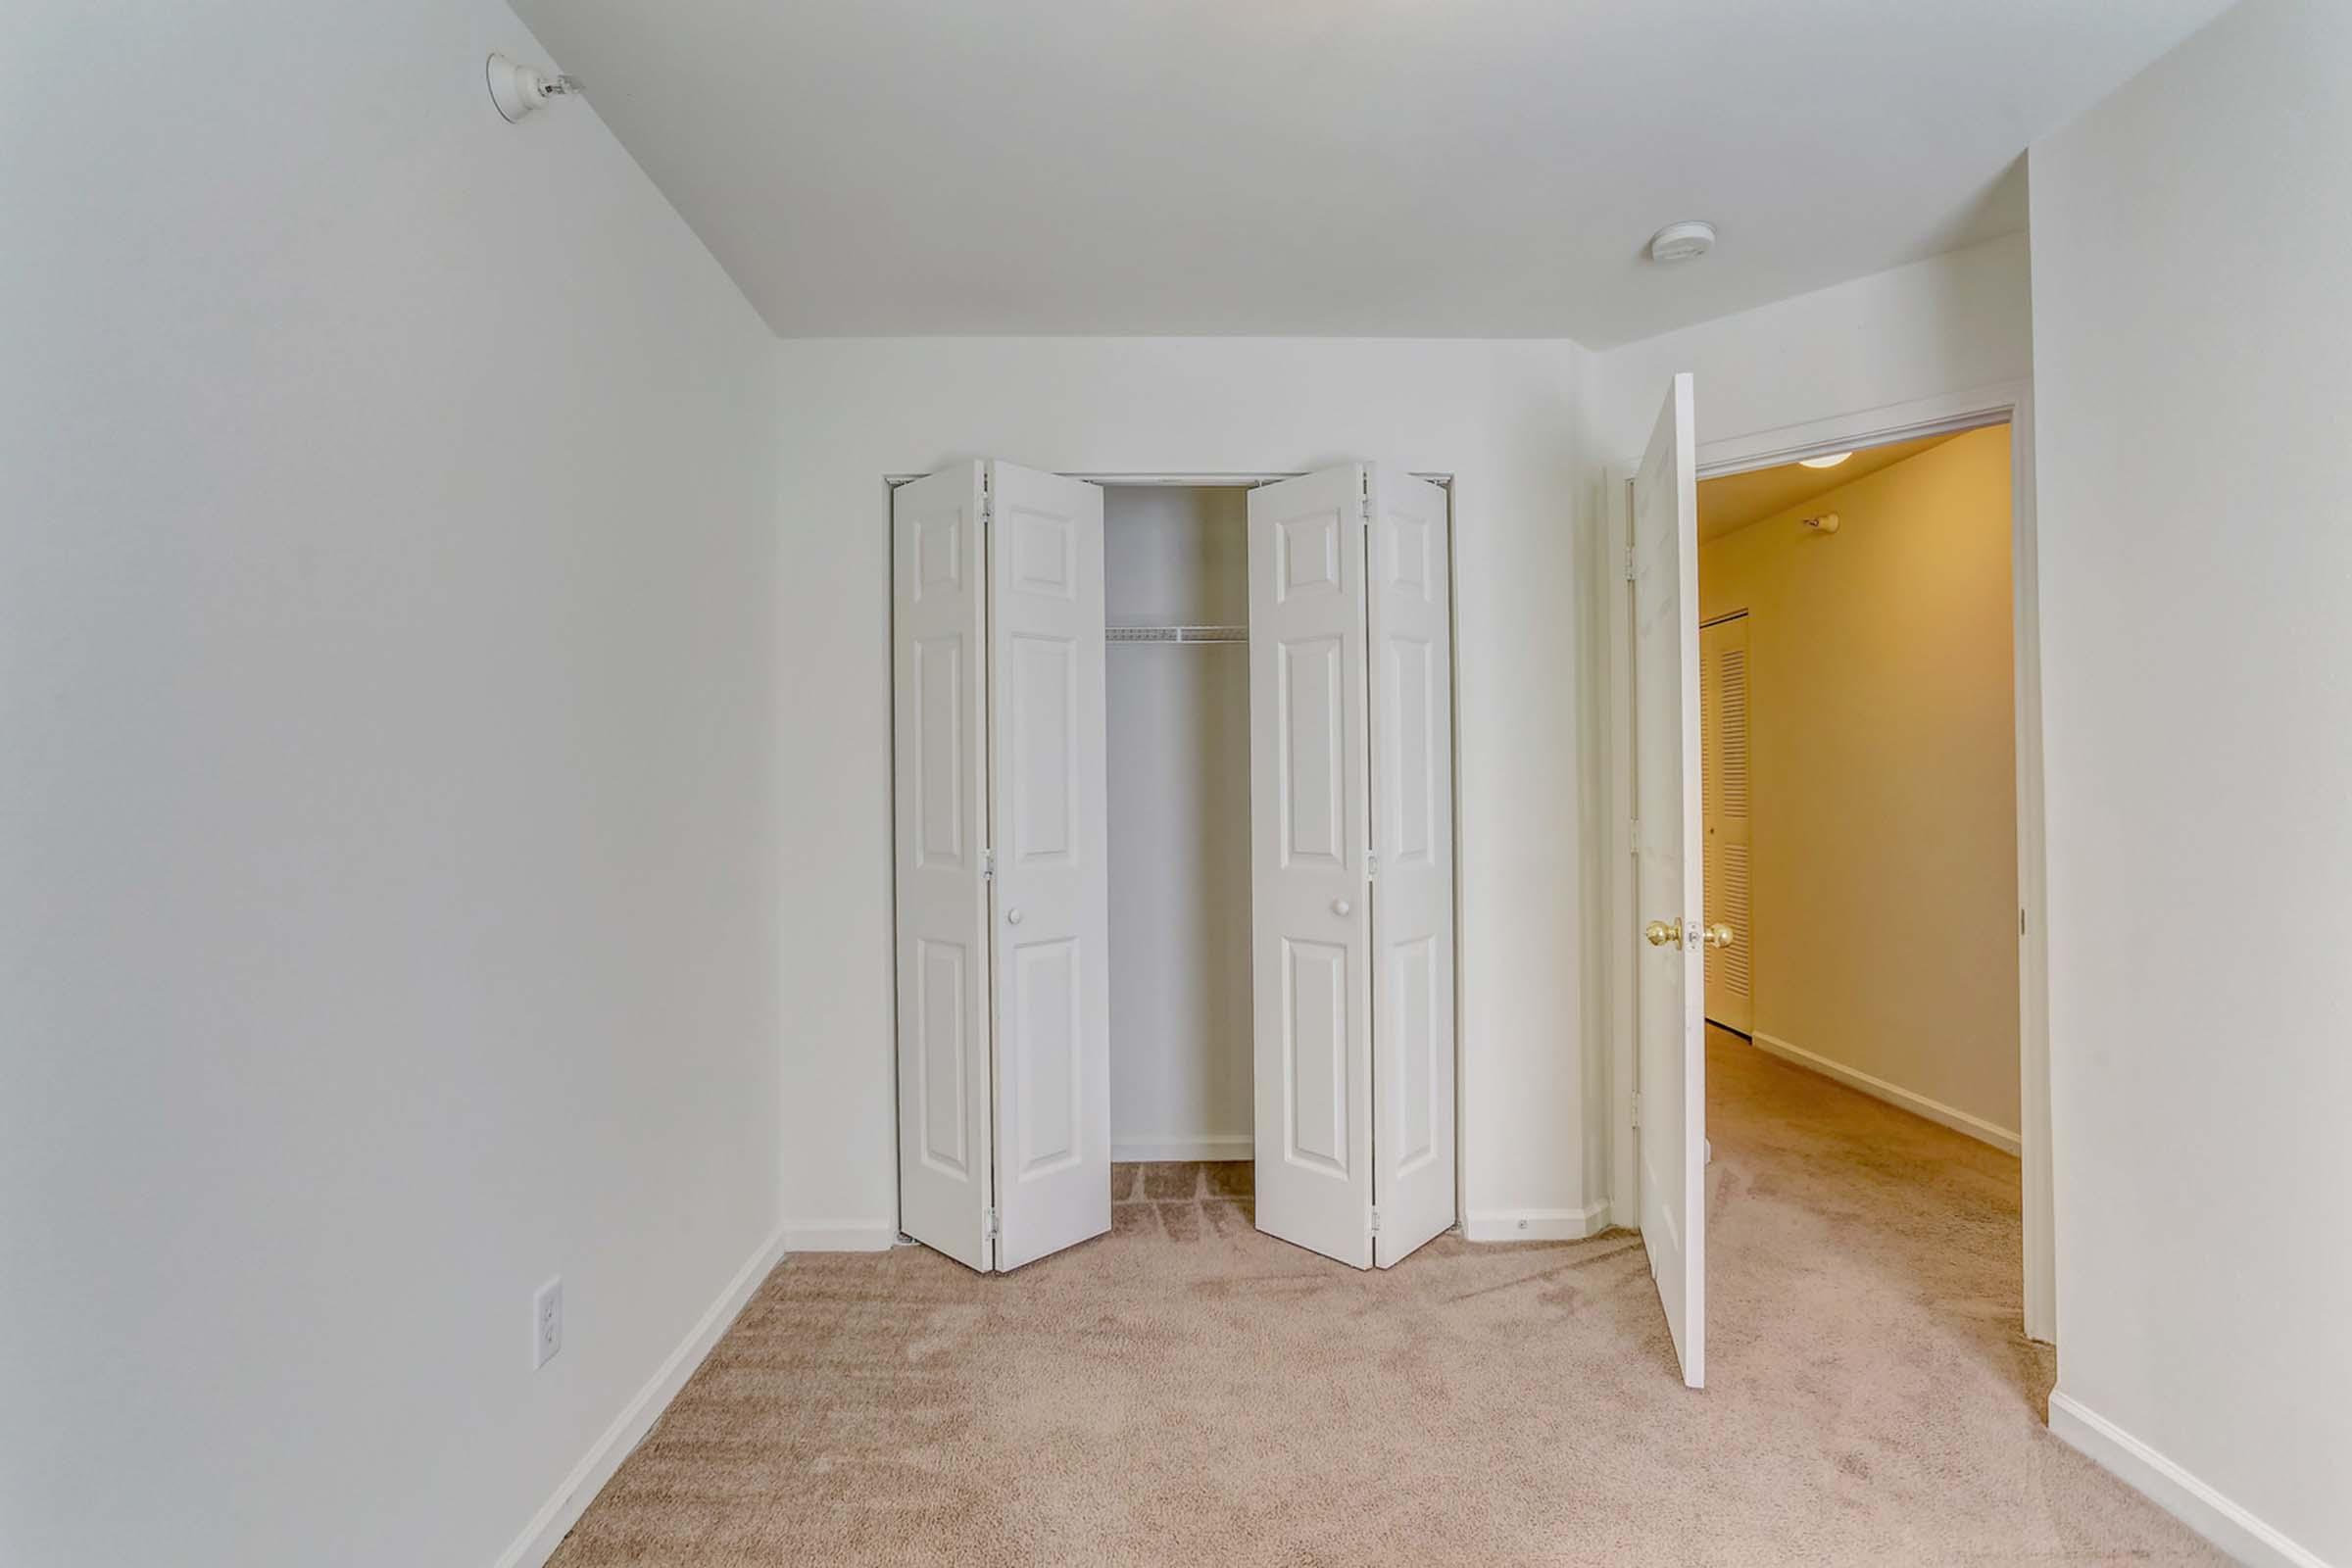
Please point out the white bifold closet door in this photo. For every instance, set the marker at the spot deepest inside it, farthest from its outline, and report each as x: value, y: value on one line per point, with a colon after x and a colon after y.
x: 1410, y: 596
x: 939, y: 681
x: 1670, y: 1026
x: 1352, y: 851
x: 1053, y: 853
x: 1003, y: 885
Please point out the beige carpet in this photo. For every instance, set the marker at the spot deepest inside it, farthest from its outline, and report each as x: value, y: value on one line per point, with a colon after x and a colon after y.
x: 1185, y: 1391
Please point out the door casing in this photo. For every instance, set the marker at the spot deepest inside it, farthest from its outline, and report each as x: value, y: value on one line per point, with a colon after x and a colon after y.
x: 2007, y: 403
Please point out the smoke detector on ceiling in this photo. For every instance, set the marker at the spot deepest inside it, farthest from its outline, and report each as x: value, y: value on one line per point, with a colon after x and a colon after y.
x: 1682, y: 242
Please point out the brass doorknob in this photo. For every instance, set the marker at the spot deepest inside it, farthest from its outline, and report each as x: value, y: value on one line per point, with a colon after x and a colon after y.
x: 1664, y: 933
x: 1719, y: 936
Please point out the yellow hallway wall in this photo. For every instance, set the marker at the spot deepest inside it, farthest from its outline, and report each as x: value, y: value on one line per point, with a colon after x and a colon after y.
x: 1881, y: 740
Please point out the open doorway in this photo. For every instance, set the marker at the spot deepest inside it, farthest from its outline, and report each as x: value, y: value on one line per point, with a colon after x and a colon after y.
x: 1176, y: 602
x: 1665, y: 1063
x: 1860, y: 714
x: 1857, y: 736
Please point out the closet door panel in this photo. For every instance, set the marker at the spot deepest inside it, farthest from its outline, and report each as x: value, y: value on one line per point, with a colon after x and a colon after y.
x: 939, y: 723
x: 1311, y: 970
x: 1409, y: 619
x: 1052, y: 887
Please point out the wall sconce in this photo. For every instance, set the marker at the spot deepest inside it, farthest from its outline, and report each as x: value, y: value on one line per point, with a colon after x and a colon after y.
x: 518, y: 90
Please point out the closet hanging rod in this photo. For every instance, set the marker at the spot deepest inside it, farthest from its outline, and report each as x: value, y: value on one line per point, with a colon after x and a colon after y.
x: 1176, y: 634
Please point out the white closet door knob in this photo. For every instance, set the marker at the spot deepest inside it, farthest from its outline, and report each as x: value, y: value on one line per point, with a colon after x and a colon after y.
x: 1012, y: 917
x: 1342, y: 906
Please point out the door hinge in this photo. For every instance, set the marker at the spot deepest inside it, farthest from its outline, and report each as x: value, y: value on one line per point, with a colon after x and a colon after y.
x: 988, y: 1225
x: 1632, y: 569
x: 1632, y: 836
x: 1376, y: 1222
x: 1371, y: 866
x: 988, y: 865
x: 1637, y: 1098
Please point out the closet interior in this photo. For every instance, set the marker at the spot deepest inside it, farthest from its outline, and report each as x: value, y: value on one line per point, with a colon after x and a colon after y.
x: 1176, y: 600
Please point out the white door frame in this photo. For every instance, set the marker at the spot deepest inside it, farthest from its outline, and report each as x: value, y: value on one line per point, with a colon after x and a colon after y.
x: 2008, y: 403
x: 1241, y: 481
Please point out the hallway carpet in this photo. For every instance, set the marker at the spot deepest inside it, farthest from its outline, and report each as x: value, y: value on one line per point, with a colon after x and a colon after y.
x: 1188, y: 1392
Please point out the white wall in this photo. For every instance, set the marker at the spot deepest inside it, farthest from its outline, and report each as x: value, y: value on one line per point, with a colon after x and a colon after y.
x: 1182, y: 1079
x: 2193, y: 371
x: 1502, y: 415
x: 1954, y: 323
x: 387, y: 887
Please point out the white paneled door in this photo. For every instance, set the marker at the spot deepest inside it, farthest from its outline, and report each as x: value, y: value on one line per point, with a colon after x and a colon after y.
x: 1051, y: 890
x: 1670, y: 1027
x: 1409, y: 603
x: 939, y: 682
x: 1002, y: 883
x: 1309, y: 838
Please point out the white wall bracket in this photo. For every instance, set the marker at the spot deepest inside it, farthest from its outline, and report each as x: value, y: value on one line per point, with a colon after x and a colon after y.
x: 518, y: 90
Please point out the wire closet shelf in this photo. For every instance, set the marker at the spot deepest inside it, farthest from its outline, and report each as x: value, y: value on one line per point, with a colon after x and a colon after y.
x: 1176, y: 634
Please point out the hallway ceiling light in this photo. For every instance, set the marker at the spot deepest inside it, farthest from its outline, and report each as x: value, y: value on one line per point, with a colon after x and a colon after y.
x: 1829, y: 461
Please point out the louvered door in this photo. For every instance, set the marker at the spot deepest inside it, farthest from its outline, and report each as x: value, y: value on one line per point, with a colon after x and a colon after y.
x: 1723, y: 704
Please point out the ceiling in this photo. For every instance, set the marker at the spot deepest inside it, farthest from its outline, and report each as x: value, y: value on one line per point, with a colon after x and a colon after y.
x: 1736, y: 500
x: 1374, y: 167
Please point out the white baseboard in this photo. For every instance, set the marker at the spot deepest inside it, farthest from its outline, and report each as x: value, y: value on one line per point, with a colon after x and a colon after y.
x: 1147, y: 1150
x: 840, y: 1235
x: 546, y: 1531
x: 1537, y: 1224
x: 1935, y: 1110
x: 2174, y: 1490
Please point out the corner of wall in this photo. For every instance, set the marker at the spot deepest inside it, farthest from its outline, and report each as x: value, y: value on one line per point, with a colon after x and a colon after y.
x: 2185, y: 1496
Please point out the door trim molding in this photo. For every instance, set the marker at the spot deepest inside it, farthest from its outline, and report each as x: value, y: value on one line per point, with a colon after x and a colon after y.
x: 1537, y: 1224
x: 1181, y: 481
x: 840, y: 1235
x: 2009, y: 403
x: 1178, y: 1146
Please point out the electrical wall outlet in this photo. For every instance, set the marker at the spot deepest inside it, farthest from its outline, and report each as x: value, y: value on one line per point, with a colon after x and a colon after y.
x: 547, y: 1323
